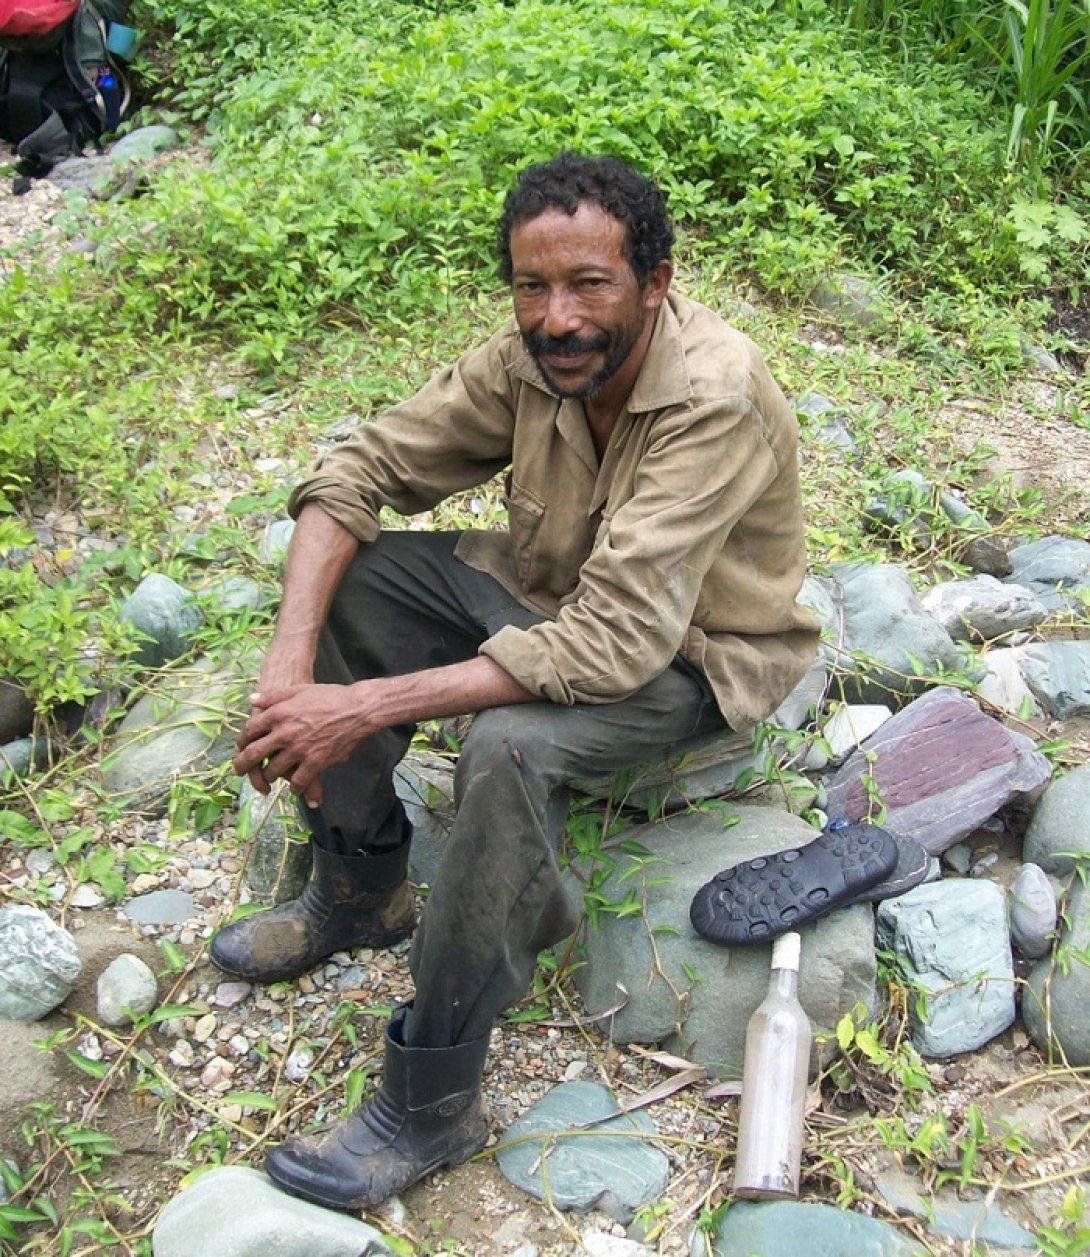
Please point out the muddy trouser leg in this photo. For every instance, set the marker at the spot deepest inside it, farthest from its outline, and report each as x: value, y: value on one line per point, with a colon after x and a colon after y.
x: 498, y: 897
x: 407, y: 603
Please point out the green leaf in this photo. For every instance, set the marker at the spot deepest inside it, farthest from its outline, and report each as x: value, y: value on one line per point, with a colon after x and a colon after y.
x: 251, y: 1100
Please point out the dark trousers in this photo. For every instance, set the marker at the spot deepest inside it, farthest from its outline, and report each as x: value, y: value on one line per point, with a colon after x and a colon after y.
x: 405, y: 604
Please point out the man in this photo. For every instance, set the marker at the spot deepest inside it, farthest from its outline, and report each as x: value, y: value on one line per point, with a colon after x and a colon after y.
x: 643, y: 593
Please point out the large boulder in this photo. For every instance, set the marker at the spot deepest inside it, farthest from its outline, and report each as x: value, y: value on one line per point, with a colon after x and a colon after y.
x: 642, y: 953
x: 880, y: 632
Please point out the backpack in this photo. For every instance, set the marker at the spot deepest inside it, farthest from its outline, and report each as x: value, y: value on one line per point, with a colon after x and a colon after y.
x: 60, y: 87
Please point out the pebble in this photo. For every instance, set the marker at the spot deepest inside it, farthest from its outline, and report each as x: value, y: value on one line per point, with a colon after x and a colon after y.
x: 201, y: 879
x: 217, y: 1073
x: 205, y: 1028
x: 182, y: 1055
x: 87, y: 896
x: 228, y: 994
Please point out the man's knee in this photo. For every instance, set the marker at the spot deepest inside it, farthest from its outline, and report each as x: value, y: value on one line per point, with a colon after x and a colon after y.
x: 504, y: 740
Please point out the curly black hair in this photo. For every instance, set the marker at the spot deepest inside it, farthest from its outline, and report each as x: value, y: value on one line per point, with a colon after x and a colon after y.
x: 569, y: 180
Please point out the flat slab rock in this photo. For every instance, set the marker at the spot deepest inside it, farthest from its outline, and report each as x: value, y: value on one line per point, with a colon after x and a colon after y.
x: 236, y: 1212
x: 941, y: 767
x: 612, y: 1167
x: 786, y: 1229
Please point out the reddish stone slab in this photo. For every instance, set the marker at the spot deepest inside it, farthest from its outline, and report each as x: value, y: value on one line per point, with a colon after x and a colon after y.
x: 941, y: 767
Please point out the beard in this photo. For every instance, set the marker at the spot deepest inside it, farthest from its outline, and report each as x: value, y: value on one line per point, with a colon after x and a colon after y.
x: 615, y: 349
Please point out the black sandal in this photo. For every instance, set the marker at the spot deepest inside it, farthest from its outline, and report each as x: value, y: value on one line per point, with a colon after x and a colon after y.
x: 754, y: 902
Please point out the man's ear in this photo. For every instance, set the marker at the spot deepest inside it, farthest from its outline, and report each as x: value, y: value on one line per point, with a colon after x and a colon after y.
x: 657, y: 284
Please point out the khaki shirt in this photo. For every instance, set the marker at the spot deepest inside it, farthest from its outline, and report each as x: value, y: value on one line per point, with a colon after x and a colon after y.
x: 686, y: 539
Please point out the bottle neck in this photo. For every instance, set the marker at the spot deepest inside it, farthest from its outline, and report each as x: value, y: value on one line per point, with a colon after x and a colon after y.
x: 784, y: 982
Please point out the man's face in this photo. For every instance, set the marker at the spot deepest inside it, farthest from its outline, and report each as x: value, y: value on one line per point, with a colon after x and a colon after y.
x: 577, y: 303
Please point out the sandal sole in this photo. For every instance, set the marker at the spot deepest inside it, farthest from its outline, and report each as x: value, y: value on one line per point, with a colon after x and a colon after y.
x: 754, y: 902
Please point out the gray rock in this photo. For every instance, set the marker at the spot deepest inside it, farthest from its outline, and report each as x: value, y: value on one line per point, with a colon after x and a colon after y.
x: 1056, y: 1001
x: 1043, y: 362
x: 166, y: 613
x: 91, y: 176
x: 982, y: 608
x: 231, y: 595
x: 143, y: 144
x: 960, y: 513
x: 778, y: 1228
x: 275, y: 540
x: 815, y: 406
x: 598, y: 1171
x: 850, y: 299
x: 1059, y: 830
x: 684, y: 981
x: 16, y: 712
x: 987, y: 557
x: 836, y: 434
x: 1032, y: 911
x: 22, y: 757
x: 1058, y: 674
x: 698, y: 768
x: 39, y: 963
x: 849, y: 726
x: 955, y: 948
x: 235, y: 1212
x: 126, y: 986
x: 161, y: 907
x: 1004, y: 685
x: 280, y: 857
x: 959, y: 857
x: 1054, y: 568
x: 180, y: 728
x: 883, y: 621
x: 424, y: 783
x: 942, y: 1213
x: 905, y: 496
x: 941, y: 767
x: 805, y: 699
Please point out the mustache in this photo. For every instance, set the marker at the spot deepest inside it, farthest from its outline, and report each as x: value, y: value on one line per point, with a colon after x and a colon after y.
x: 570, y: 346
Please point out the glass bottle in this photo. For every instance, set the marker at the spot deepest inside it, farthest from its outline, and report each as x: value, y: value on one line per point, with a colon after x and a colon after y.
x: 774, y: 1076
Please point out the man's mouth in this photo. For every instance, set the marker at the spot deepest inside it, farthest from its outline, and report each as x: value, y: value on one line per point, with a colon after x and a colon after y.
x: 566, y: 353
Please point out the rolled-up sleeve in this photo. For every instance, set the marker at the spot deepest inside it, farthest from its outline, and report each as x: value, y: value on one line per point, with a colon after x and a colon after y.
x: 455, y: 433
x: 701, y: 471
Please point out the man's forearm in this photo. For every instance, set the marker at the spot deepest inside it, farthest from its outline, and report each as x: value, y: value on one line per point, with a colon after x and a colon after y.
x: 453, y: 690
x: 319, y: 554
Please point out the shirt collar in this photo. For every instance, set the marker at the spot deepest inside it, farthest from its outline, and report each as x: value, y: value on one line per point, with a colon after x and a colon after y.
x: 663, y: 379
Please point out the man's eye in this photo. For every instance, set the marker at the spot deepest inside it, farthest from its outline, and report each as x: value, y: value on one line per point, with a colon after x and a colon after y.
x: 528, y: 289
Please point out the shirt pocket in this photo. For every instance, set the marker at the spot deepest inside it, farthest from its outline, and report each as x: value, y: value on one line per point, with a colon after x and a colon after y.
x: 525, y: 513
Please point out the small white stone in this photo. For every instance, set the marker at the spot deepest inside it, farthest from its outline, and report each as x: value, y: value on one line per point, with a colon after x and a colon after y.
x: 181, y: 1054
x: 87, y: 895
x: 205, y: 1027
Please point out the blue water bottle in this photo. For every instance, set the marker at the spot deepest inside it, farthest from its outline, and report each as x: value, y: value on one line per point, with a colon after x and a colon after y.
x: 111, y: 97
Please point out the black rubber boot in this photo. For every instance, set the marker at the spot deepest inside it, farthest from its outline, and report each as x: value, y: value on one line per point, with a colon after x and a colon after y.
x: 352, y: 901
x: 427, y: 1114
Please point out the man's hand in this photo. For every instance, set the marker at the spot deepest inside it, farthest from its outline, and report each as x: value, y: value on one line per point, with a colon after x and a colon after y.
x: 297, y: 732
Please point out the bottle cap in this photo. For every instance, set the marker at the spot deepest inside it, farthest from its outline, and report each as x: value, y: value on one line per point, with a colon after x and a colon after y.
x: 786, y: 951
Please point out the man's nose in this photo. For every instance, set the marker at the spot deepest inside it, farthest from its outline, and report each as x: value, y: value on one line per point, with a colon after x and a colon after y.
x: 562, y: 313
